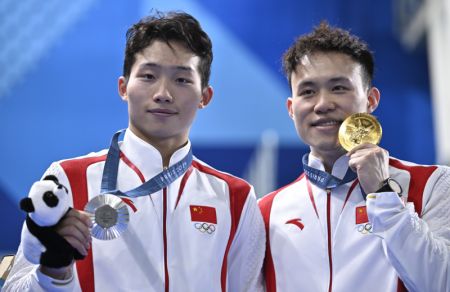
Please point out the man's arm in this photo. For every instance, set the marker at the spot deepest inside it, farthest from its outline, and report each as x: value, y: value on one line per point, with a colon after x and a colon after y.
x: 418, y: 248
x: 27, y: 276
x: 247, y: 250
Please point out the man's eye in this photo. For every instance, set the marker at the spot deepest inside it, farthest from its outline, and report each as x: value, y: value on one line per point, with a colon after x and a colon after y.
x: 183, y: 80
x: 148, y: 76
x: 306, y: 92
x: 339, y: 88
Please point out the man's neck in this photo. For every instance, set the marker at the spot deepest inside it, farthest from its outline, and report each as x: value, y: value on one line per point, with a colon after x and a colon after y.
x: 328, y: 158
x: 167, y: 149
x: 166, y: 146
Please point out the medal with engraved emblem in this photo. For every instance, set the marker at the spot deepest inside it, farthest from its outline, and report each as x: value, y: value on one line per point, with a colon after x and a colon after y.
x: 358, y: 129
x: 109, y: 216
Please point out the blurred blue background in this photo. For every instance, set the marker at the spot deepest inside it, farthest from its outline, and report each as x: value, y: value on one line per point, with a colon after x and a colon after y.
x: 60, y: 61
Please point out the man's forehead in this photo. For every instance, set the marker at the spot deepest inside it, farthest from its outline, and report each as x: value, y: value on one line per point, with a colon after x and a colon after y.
x: 304, y: 60
x: 323, y: 62
x: 323, y: 56
x: 177, y: 48
x: 159, y: 55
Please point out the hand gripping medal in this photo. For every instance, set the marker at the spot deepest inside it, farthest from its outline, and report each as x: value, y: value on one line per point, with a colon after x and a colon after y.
x: 358, y: 129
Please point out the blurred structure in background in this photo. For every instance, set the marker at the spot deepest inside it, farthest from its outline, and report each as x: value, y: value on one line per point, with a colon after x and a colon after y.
x: 60, y: 61
x: 29, y: 29
x: 260, y: 169
x: 427, y: 23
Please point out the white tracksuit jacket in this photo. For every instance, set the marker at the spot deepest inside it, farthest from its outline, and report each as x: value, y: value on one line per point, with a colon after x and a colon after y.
x: 163, y: 248
x: 338, y: 241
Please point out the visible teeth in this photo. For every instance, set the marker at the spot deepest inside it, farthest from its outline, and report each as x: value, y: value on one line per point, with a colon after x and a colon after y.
x: 329, y: 123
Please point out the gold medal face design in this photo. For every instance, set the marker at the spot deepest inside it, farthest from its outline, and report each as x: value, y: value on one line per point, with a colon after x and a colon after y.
x: 109, y: 216
x: 358, y: 129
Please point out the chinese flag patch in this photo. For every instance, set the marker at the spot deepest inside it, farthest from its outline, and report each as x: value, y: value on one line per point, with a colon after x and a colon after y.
x: 203, y: 214
x: 361, y: 215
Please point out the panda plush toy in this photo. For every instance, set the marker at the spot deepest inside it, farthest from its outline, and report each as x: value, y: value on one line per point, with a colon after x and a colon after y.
x: 45, y: 205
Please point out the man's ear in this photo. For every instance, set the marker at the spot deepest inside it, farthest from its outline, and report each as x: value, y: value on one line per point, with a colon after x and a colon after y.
x: 122, y: 88
x: 207, y: 95
x: 289, y: 107
x: 373, y: 99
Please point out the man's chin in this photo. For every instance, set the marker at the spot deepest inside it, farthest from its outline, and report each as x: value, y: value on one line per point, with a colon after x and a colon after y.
x: 328, y: 147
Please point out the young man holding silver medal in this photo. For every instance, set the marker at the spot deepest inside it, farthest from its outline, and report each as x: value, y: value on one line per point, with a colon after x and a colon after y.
x: 356, y: 219
x: 162, y: 219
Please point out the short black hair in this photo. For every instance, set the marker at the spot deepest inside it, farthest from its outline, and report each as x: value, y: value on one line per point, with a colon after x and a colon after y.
x: 167, y: 27
x: 325, y: 38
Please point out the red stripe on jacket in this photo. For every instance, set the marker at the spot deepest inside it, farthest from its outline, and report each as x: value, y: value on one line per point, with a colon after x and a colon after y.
x: 265, y: 204
x: 75, y: 170
x: 239, y: 190
x: 419, y: 177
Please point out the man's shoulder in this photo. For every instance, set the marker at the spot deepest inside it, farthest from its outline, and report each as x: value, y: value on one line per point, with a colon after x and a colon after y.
x: 84, y: 161
x: 414, y: 169
x: 266, y: 201
x: 234, y: 182
x: 419, y: 180
x: 404, y: 164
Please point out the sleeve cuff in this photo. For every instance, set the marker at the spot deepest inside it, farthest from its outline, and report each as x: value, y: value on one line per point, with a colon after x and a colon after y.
x: 387, y: 212
x: 50, y: 284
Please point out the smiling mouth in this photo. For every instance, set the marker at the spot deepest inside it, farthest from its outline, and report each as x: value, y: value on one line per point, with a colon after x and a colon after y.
x: 162, y: 112
x: 326, y: 123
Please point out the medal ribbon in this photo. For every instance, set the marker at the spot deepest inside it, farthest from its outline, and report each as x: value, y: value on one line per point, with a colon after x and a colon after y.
x: 156, y: 183
x: 323, y: 179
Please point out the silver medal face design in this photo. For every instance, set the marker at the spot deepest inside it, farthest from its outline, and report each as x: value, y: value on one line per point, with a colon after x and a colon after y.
x: 109, y: 216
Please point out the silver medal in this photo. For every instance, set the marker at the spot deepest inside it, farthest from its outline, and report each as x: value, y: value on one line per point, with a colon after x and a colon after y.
x: 109, y: 216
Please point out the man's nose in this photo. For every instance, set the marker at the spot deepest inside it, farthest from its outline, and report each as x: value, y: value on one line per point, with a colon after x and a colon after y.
x: 325, y: 103
x: 162, y: 93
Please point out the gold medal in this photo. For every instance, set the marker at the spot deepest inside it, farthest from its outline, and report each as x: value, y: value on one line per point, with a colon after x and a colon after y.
x: 358, y: 129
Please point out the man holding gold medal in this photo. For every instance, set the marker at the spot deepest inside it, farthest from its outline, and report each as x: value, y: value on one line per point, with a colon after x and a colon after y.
x: 356, y: 219
x: 155, y: 217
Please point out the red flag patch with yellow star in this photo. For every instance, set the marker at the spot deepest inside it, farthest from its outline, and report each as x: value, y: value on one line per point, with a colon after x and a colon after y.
x: 361, y: 215
x: 203, y: 214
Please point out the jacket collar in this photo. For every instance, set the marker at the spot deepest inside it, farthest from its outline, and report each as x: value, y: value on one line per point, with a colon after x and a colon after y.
x: 146, y: 157
x: 339, y: 168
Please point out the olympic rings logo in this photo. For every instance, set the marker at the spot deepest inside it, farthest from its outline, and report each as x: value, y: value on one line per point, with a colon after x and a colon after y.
x: 365, y: 228
x: 205, y: 227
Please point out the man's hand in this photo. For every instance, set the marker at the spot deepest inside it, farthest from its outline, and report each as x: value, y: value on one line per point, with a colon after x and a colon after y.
x: 74, y: 228
x: 371, y: 164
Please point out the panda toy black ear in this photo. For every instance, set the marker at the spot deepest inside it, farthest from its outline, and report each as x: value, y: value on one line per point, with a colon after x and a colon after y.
x: 26, y: 204
x: 52, y: 177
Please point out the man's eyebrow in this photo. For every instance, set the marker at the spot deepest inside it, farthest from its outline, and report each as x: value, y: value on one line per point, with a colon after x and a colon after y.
x: 339, y: 79
x: 176, y: 67
x: 183, y: 68
x: 149, y: 64
x: 305, y: 83
x: 309, y: 83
